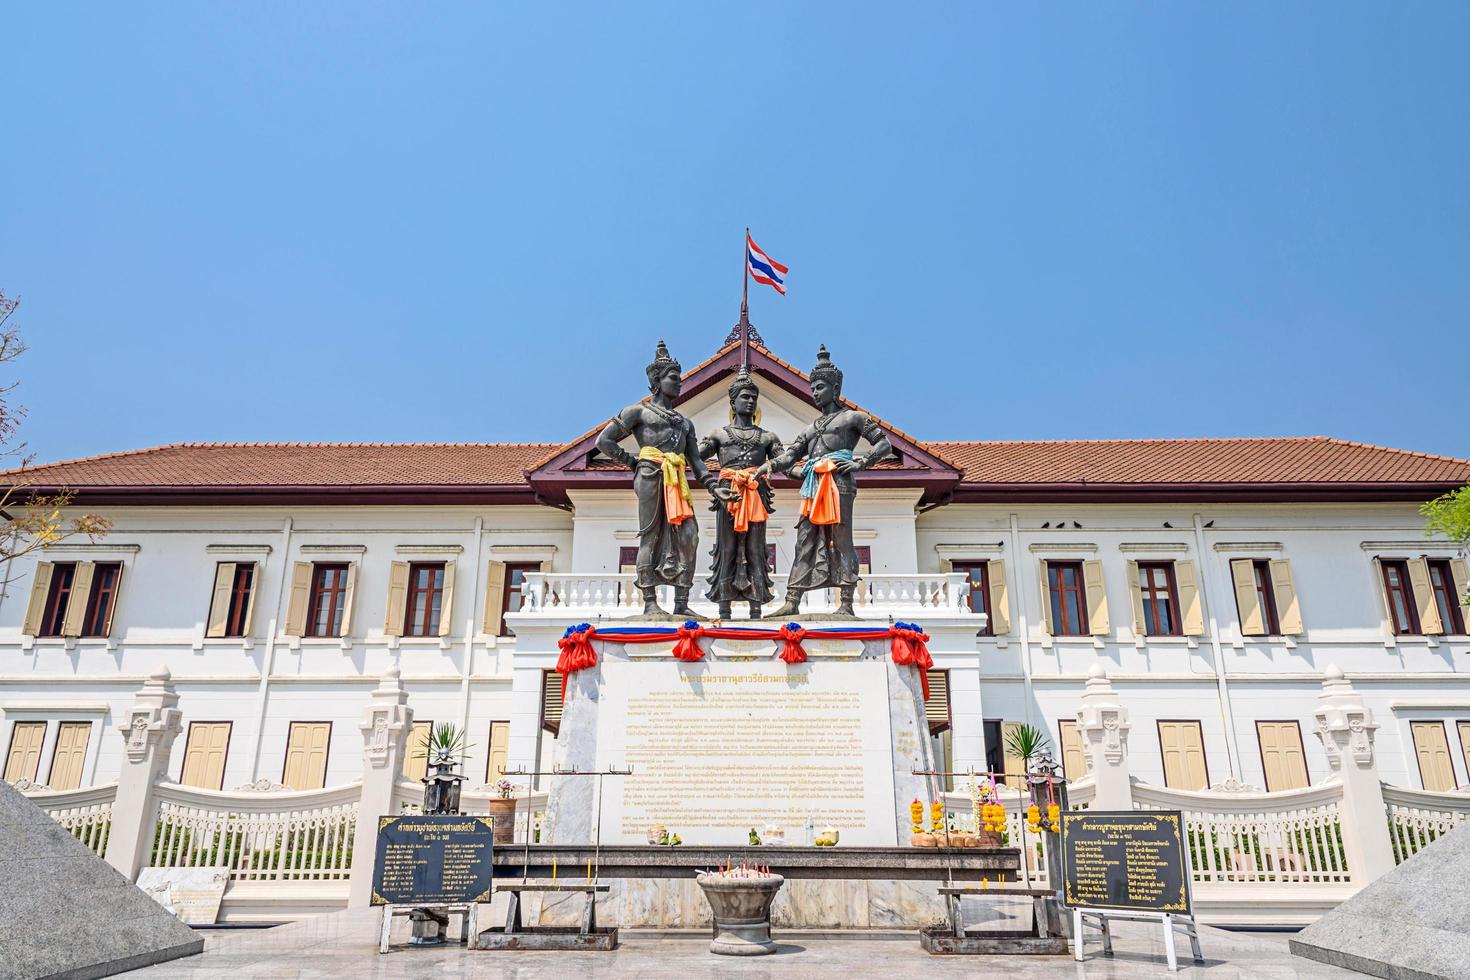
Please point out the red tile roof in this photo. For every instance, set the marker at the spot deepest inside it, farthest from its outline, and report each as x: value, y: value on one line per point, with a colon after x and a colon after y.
x: 393, y: 468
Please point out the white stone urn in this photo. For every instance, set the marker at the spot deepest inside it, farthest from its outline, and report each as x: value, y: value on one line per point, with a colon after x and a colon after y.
x: 742, y: 910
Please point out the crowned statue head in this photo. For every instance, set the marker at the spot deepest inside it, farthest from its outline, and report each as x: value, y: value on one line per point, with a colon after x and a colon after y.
x: 664, y: 373
x: 826, y: 379
x: 744, y: 394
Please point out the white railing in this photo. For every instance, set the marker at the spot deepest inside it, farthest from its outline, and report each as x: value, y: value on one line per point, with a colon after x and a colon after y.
x: 258, y: 836
x: 1416, y: 818
x: 1289, y: 837
x: 86, y: 813
x: 614, y: 595
x: 530, y: 816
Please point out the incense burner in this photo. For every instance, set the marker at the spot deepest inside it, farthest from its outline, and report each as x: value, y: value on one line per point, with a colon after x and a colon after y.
x: 742, y: 911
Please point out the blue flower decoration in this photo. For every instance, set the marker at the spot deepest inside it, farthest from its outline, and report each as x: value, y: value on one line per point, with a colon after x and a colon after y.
x: 793, y: 627
x: 690, y: 624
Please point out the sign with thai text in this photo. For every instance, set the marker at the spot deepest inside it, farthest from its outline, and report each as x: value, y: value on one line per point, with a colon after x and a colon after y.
x: 1132, y: 860
x: 432, y: 860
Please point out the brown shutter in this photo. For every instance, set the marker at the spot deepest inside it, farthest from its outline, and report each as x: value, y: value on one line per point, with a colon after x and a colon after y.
x: 499, y: 751
x: 1429, y: 618
x: 494, y: 597
x: 936, y: 705
x: 1015, y: 766
x: 416, y: 753
x: 551, y: 701
x: 76, y: 603
x: 1000, y: 611
x: 70, y: 755
x: 1135, y: 591
x: 1074, y: 760
x: 347, y: 599
x: 1461, y: 574
x: 116, y: 598
x: 1046, y: 622
x: 1097, y: 598
x: 1182, y: 744
x: 1436, y: 771
x: 219, y: 603
x: 397, y: 599
x: 1191, y: 610
x: 300, y: 596
x: 40, y: 589
x: 945, y: 566
x: 1288, y: 611
x: 255, y: 571
x: 1282, y: 758
x: 205, y: 753
x: 307, y: 746
x: 1247, y: 601
x: 446, y: 605
x: 24, y: 758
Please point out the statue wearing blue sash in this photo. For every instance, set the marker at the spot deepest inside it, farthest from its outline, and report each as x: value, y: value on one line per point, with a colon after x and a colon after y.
x: 825, y: 557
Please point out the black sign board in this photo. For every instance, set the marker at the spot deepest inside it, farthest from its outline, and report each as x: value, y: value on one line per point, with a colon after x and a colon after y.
x: 432, y: 860
x: 1131, y: 860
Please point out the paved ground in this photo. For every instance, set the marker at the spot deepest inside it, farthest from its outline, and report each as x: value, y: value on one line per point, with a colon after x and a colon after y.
x: 345, y: 945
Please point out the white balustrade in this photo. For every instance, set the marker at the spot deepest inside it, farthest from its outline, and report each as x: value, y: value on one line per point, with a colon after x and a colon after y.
x: 258, y: 836
x: 1416, y: 818
x: 86, y: 813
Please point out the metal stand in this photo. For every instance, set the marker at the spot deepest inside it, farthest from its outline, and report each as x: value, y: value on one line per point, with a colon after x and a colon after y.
x: 467, y: 911
x: 1081, y: 917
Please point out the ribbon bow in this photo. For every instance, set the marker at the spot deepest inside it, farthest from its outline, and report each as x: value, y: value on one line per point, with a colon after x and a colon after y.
x: 678, y: 503
x: 577, y: 652
x: 687, y: 648
x: 790, y: 636
x: 819, y: 501
x: 911, y: 648
x: 747, y: 508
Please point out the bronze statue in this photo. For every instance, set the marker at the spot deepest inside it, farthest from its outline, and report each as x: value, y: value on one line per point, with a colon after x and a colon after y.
x: 825, y: 556
x: 668, y: 536
x: 740, y: 570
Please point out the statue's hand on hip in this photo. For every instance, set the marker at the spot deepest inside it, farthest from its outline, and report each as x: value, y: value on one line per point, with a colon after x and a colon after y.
x: 723, y: 494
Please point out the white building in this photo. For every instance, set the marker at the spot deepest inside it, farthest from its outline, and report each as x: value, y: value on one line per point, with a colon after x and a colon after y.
x: 1215, y: 579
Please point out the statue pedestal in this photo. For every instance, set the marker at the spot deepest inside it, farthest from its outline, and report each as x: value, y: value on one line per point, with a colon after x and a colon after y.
x: 741, y: 740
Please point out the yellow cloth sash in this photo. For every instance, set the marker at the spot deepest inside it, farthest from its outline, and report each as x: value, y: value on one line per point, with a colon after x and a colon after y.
x: 678, y: 504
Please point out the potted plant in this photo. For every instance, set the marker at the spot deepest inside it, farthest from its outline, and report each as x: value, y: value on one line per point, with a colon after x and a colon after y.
x: 503, y: 811
x: 443, y: 747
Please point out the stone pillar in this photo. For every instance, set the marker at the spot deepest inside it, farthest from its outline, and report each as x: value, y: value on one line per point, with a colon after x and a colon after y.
x: 1345, y: 726
x: 149, y: 730
x: 1102, y: 721
x: 386, y: 724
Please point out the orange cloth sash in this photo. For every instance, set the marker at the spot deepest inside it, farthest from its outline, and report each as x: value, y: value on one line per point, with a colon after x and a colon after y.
x: 747, y: 508
x: 678, y: 504
x: 823, y: 507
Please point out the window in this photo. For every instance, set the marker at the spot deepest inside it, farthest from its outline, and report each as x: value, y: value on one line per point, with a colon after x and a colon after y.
x: 232, y: 602
x: 328, y: 599
x: 425, y: 598
x: 69, y: 757
x: 53, y: 622
x: 1282, y: 758
x: 1266, y: 596
x: 1074, y: 758
x: 499, y: 751
x: 416, y: 752
x: 1068, y: 600
x: 1446, y: 596
x: 771, y: 558
x: 1403, y: 617
x: 994, y: 751
x: 628, y: 559
x: 936, y: 706
x: 307, y: 745
x: 515, y: 582
x: 978, y: 572
x: 24, y: 758
x: 865, y: 558
x: 1160, y: 598
x: 1436, y: 771
x: 552, y: 695
x: 1183, y: 747
x: 97, y: 621
x: 205, y: 753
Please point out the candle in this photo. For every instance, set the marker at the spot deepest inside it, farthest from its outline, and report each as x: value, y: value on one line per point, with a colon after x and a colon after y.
x: 553, y: 871
x: 984, y: 883
x: 589, y: 872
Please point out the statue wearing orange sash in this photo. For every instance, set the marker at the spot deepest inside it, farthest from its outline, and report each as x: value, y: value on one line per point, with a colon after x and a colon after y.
x: 824, y: 555
x: 740, y: 570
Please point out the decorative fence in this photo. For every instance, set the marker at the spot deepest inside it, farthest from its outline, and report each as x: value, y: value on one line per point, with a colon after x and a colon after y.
x: 86, y: 813
x: 258, y: 836
x: 1416, y: 818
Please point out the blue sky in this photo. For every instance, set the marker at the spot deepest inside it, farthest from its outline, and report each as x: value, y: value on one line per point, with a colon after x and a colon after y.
x: 360, y: 221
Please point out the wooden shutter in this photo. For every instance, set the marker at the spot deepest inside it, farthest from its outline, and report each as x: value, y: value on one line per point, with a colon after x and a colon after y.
x: 1429, y: 618
x: 1436, y: 771
x: 1074, y: 759
x: 1097, y: 598
x: 1015, y: 766
x: 69, y: 757
x: 205, y: 754
x: 551, y: 701
x: 1135, y: 591
x: 446, y: 604
x: 24, y: 759
x: 306, y: 754
x: 1247, y: 601
x: 40, y: 589
x: 1282, y: 757
x: 1461, y: 574
x: 1464, y: 728
x: 1000, y: 599
x: 416, y: 752
x: 255, y: 570
x: 499, y: 751
x: 397, y: 599
x: 347, y: 600
x: 76, y: 603
x: 219, y: 603
x: 936, y: 705
x: 1182, y: 744
x: 300, y: 596
x: 1288, y: 611
x: 494, y: 597
x: 1046, y: 622
x: 1191, y: 610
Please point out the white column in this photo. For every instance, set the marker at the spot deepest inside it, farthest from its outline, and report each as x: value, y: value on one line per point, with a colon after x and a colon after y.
x: 1103, y: 724
x: 1345, y: 727
x: 153, y: 722
x: 386, y: 723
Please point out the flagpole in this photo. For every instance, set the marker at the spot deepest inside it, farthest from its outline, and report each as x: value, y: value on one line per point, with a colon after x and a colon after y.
x: 744, y: 301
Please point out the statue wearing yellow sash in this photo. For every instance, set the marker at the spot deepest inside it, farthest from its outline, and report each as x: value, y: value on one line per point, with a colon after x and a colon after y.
x: 668, y: 535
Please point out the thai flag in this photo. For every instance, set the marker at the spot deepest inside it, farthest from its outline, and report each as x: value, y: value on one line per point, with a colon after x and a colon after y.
x: 763, y: 268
